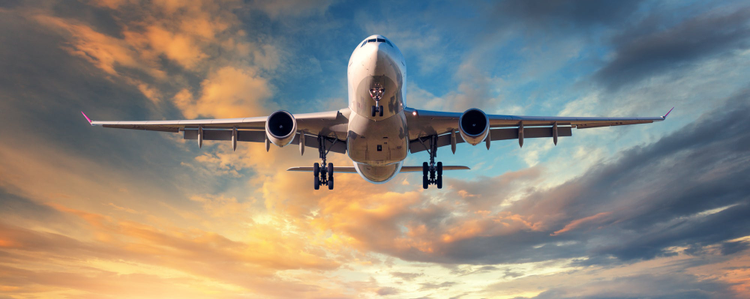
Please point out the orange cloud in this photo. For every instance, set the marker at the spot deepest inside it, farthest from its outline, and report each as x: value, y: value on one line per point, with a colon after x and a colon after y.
x: 575, y: 223
x: 187, y: 33
x: 226, y: 93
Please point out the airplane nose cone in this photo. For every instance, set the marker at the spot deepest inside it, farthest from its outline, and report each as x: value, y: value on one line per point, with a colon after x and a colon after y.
x: 378, y: 59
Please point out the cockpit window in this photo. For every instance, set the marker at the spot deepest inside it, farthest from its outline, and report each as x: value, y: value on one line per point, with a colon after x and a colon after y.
x: 376, y: 40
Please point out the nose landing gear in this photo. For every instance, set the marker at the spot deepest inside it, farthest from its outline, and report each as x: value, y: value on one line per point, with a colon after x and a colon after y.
x: 376, y: 93
x: 323, y: 175
x: 432, y: 174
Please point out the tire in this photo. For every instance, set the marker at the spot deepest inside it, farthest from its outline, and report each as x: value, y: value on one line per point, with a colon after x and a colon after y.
x: 330, y: 171
x: 381, y: 111
x: 316, y: 182
x: 425, y: 183
x: 330, y: 184
x: 425, y: 169
x: 373, y: 111
x: 440, y: 182
x: 316, y: 169
x: 440, y: 169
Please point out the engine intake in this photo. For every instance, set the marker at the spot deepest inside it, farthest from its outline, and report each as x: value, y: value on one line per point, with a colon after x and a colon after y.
x: 474, y: 126
x: 281, y: 128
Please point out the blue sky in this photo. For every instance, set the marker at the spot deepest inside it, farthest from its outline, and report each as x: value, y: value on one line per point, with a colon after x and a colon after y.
x: 657, y: 210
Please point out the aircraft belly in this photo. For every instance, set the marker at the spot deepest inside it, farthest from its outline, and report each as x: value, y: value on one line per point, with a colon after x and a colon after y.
x: 380, y: 142
x: 378, y: 174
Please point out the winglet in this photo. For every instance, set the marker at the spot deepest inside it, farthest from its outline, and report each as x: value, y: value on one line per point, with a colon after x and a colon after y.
x: 665, y: 115
x: 87, y: 118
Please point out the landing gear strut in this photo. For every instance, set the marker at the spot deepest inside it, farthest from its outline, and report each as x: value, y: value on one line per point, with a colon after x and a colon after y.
x: 376, y: 92
x: 323, y: 175
x: 432, y: 174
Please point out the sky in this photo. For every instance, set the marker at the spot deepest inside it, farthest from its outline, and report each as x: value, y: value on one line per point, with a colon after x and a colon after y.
x: 646, y: 211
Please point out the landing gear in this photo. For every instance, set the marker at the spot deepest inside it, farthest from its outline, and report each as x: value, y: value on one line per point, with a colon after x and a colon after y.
x: 432, y: 174
x: 376, y: 93
x: 316, y: 172
x: 377, y: 109
x: 323, y: 175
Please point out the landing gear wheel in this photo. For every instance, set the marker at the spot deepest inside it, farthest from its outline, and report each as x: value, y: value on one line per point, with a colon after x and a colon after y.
x: 440, y: 169
x: 373, y: 111
x: 439, y: 182
x: 381, y: 111
x: 330, y: 176
x: 425, y: 182
x: 316, y: 174
x: 425, y: 169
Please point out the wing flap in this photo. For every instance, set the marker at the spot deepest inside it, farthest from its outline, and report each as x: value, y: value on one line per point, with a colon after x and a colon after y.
x: 260, y: 136
x: 416, y: 146
x: 505, y: 134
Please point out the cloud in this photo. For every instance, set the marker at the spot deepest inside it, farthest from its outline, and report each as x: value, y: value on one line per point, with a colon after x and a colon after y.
x: 227, y: 93
x: 652, y: 198
x: 672, y: 286
x: 89, y: 212
x: 575, y: 223
x: 648, y: 49
x: 161, y: 46
x: 386, y: 291
x: 276, y: 9
x: 549, y: 14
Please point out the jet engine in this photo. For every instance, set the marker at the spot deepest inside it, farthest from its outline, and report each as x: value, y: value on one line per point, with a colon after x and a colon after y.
x: 281, y: 128
x: 474, y: 126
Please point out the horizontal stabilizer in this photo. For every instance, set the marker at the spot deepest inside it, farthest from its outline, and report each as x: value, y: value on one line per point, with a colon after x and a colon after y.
x: 350, y: 169
x: 447, y: 167
x: 336, y: 169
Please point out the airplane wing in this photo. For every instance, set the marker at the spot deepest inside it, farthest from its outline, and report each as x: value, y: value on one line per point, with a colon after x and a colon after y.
x: 423, y: 124
x: 330, y: 124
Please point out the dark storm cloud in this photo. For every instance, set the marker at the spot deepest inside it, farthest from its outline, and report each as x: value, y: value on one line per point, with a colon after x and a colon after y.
x: 649, y: 48
x: 651, y: 286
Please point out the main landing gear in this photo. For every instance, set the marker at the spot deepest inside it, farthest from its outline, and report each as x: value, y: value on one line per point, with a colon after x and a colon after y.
x: 323, y: 175
x: 432, y: 174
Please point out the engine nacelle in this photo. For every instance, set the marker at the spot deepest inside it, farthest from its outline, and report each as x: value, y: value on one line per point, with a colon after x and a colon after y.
x: 281, y: 128
x: 474, y: 126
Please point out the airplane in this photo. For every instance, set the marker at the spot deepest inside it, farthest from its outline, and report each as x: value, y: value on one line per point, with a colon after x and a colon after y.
x: 377, y: 130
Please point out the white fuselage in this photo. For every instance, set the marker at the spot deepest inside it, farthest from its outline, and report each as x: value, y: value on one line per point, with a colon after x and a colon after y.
x: 377, y: 144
